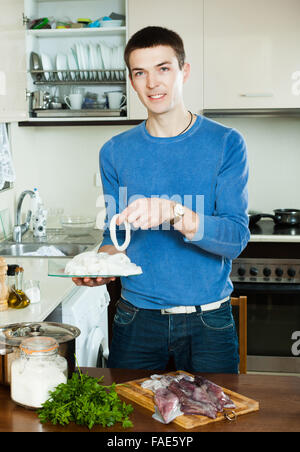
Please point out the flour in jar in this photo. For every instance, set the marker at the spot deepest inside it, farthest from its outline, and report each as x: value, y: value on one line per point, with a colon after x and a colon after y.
x: 32, y: 381
x: 93, y: 263
x: 37, y: 372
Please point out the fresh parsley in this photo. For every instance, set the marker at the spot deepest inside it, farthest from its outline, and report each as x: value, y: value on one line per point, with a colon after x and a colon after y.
x: 85, y: 401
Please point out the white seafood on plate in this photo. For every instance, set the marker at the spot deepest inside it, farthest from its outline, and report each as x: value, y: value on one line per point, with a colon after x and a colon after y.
x: 102, y: 264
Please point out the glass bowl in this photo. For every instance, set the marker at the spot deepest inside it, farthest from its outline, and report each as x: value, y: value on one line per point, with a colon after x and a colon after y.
x: 77, y: 225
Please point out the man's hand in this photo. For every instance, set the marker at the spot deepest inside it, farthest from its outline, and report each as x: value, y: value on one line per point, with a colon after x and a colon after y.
x: 145, y: 213
x: 93, y: 282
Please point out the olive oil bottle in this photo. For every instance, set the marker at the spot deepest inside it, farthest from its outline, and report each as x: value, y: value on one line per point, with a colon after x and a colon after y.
x: 17, y: 298
x: 3, y: 285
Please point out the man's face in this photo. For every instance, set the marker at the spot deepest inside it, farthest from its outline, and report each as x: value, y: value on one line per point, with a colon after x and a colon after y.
x: 157, y: 78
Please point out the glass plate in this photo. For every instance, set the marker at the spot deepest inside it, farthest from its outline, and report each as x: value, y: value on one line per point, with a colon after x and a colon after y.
x: 56, y: 267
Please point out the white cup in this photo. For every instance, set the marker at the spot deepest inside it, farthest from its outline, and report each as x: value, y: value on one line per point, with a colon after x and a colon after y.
x: 116, y: 100
x: 74, y: 101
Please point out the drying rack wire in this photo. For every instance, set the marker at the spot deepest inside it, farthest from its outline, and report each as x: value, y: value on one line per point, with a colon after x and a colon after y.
x: 78, y: 76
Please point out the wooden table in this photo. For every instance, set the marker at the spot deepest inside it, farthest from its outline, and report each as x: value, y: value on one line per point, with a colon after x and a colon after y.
x: 279, y: 399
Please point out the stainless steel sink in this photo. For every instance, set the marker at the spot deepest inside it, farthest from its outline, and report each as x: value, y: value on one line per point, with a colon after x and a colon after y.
x: 18, y: 249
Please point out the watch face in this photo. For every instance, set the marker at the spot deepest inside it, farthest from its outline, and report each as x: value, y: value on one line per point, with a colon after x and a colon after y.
x: 178, y: 210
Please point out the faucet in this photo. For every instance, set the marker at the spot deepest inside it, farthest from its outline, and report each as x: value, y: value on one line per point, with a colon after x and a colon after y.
x: 20, y: 229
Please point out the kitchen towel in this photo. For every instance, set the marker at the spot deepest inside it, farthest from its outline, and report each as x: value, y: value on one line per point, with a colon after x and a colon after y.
x: 7, y: 172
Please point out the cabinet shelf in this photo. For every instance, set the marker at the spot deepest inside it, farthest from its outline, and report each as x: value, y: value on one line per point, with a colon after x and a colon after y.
x: 83, y: 113
x: 79, y: 77
x: 77, y: 32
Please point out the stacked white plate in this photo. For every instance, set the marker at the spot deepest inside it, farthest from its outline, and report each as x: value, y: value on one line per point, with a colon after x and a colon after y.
x: 61, y: 65
x: 47, y: 65
x: 90, y: 59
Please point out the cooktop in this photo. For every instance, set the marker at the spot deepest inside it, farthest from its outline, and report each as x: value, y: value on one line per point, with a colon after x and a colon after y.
x: 268, y: 227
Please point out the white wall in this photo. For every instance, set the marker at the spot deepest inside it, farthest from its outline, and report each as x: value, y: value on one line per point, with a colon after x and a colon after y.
x: 62, y: 162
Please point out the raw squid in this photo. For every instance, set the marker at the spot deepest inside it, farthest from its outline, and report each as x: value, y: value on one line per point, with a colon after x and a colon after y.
x: 182, y: 394
x: 215, y: 393
x: 195, y: 392
x: 167, y: 403
x: 191, y: 406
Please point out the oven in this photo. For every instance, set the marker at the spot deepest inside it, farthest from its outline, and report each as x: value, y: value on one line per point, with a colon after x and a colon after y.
x: 268, y: 273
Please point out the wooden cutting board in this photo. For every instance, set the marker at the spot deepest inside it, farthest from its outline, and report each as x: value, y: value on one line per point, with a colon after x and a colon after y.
x: 133, y: 391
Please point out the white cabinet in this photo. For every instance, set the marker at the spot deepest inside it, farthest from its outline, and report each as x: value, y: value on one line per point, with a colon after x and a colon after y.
x: 186, y: 18
x: 13, y: 104
x: 251, y: 54
x: 90, y: 62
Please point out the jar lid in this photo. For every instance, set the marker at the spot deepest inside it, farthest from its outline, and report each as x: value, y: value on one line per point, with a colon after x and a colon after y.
x: 42, y: 344
x: 15, y: 333
x: 11, y: 269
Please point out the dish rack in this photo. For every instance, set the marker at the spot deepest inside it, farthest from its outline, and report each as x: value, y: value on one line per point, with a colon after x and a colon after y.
x: 78, y: 76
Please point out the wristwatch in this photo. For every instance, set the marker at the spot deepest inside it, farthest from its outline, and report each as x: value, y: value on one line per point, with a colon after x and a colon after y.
x: 178, y: 213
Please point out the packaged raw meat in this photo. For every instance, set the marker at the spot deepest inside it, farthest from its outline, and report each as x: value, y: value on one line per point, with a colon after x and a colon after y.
x: 190, y: 406
x: 167, y: 406
x: 179, y: 394
x: 215, y: 393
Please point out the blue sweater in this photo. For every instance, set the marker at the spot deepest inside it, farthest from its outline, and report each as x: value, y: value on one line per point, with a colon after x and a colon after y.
x: 204, y: 168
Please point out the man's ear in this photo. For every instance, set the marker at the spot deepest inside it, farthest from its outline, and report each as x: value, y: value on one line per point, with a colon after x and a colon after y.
x: 131, y: 81
x: 186, y: 71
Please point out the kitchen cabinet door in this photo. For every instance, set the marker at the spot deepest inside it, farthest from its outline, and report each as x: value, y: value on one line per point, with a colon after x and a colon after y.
x: 186, y: 18
x: 251, y: 54
x: 13, y: 103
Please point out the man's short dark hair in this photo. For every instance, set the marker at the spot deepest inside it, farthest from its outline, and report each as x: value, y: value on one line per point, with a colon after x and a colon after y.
x: 152, y: 37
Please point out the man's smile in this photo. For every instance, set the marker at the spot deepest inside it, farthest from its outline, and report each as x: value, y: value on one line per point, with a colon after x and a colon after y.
x: 156, y: 96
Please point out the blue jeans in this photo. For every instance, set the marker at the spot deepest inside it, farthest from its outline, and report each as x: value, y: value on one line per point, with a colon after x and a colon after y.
x: 199, y: 342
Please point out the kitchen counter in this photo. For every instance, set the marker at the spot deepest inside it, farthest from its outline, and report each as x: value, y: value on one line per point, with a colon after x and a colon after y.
x: 59, y: 235
x: 267, y: 231
x: 275, y: 238
x: 53, y: 291
x: 279, y: 398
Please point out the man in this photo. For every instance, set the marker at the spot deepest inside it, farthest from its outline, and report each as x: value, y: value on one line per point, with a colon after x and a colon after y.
x: 189, y: 173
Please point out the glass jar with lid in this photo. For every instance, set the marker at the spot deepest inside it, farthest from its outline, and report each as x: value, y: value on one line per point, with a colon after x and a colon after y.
x: 38, y: 370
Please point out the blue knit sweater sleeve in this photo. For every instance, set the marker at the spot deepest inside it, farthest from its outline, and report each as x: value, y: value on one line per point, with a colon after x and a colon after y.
x: 226, y: 233
x: 111, y: 192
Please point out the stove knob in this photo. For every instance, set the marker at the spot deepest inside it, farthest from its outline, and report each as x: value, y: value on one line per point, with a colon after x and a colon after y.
x: 279, y: 272
x: 253, y: 271
x: 267, y: 271
x: 291, y: 272
x: 241, y: 271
